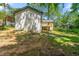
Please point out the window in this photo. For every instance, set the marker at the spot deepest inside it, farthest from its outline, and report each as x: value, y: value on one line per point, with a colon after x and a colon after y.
x: 45, y: 28
x: 26, y: 15
x: 36, y: 17
x: 30, y: 14
x: 23, y: 16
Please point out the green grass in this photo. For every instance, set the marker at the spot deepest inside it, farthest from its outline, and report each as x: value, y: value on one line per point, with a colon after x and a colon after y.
x: 55, y: 43
x: 74, y: 30
x: 6, y: 27
x: 68, y: 41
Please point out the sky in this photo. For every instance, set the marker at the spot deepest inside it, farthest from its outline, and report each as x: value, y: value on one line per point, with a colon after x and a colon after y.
x: 67, y: 7
x: 17, y: 5
x: 20, y: 5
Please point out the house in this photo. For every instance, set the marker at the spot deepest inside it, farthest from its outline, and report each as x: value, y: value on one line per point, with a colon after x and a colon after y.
x: 47, y: 25
x: 30, y: 19
x: 9, y: 21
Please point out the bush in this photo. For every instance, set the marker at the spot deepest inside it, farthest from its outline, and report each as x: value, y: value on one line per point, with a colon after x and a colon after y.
x: 75, y: 30
x: 5, y: 27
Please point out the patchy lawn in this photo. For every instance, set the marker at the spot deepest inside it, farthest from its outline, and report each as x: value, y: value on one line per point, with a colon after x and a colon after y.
x: 68, y: 41
x: 56, y: 43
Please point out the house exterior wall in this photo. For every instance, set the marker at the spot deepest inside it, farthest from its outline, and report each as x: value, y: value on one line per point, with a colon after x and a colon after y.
x: 28, y: 20
x: 19, y: 20
x: 48, y: 24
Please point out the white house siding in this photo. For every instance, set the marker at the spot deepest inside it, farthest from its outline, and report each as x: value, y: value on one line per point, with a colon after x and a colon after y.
x: 19, y: 20
x: 28, y: 20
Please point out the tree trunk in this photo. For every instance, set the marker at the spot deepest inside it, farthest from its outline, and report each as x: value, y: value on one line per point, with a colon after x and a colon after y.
x: 48, y: 11
x: 4, y: 15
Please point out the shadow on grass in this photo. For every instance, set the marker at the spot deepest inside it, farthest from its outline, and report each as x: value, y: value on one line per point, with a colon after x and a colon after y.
x: 69, y: 44
x: 43, y: 44
x: 31, y: 44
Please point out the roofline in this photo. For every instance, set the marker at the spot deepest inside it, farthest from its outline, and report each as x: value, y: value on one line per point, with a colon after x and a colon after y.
x: 26, y: 7
x: 47, y: 20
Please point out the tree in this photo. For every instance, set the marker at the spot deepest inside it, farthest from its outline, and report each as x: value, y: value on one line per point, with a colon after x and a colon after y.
x: 2, y: 14
x: 50, y: 8
x: 70, y: 19
x: 4, y: 9
x: 75, y: 7
x: 75, y: 12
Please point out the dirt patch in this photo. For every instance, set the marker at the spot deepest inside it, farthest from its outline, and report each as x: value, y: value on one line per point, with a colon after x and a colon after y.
x: 20, y: 43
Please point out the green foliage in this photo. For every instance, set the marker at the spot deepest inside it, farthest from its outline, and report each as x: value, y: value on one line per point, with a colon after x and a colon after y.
x: 70, y: 19
x: 68, y: 41
x: 50, y: 8
x: 75, y: 30
x: 2, y: 4
x: 5, y: 27
x: 2, y: 14
x: 66, y: 21
x: 75, y: 7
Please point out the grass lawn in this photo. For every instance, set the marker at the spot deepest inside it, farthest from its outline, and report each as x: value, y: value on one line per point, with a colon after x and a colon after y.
x: 55, y: 43
x: 68, y: 41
